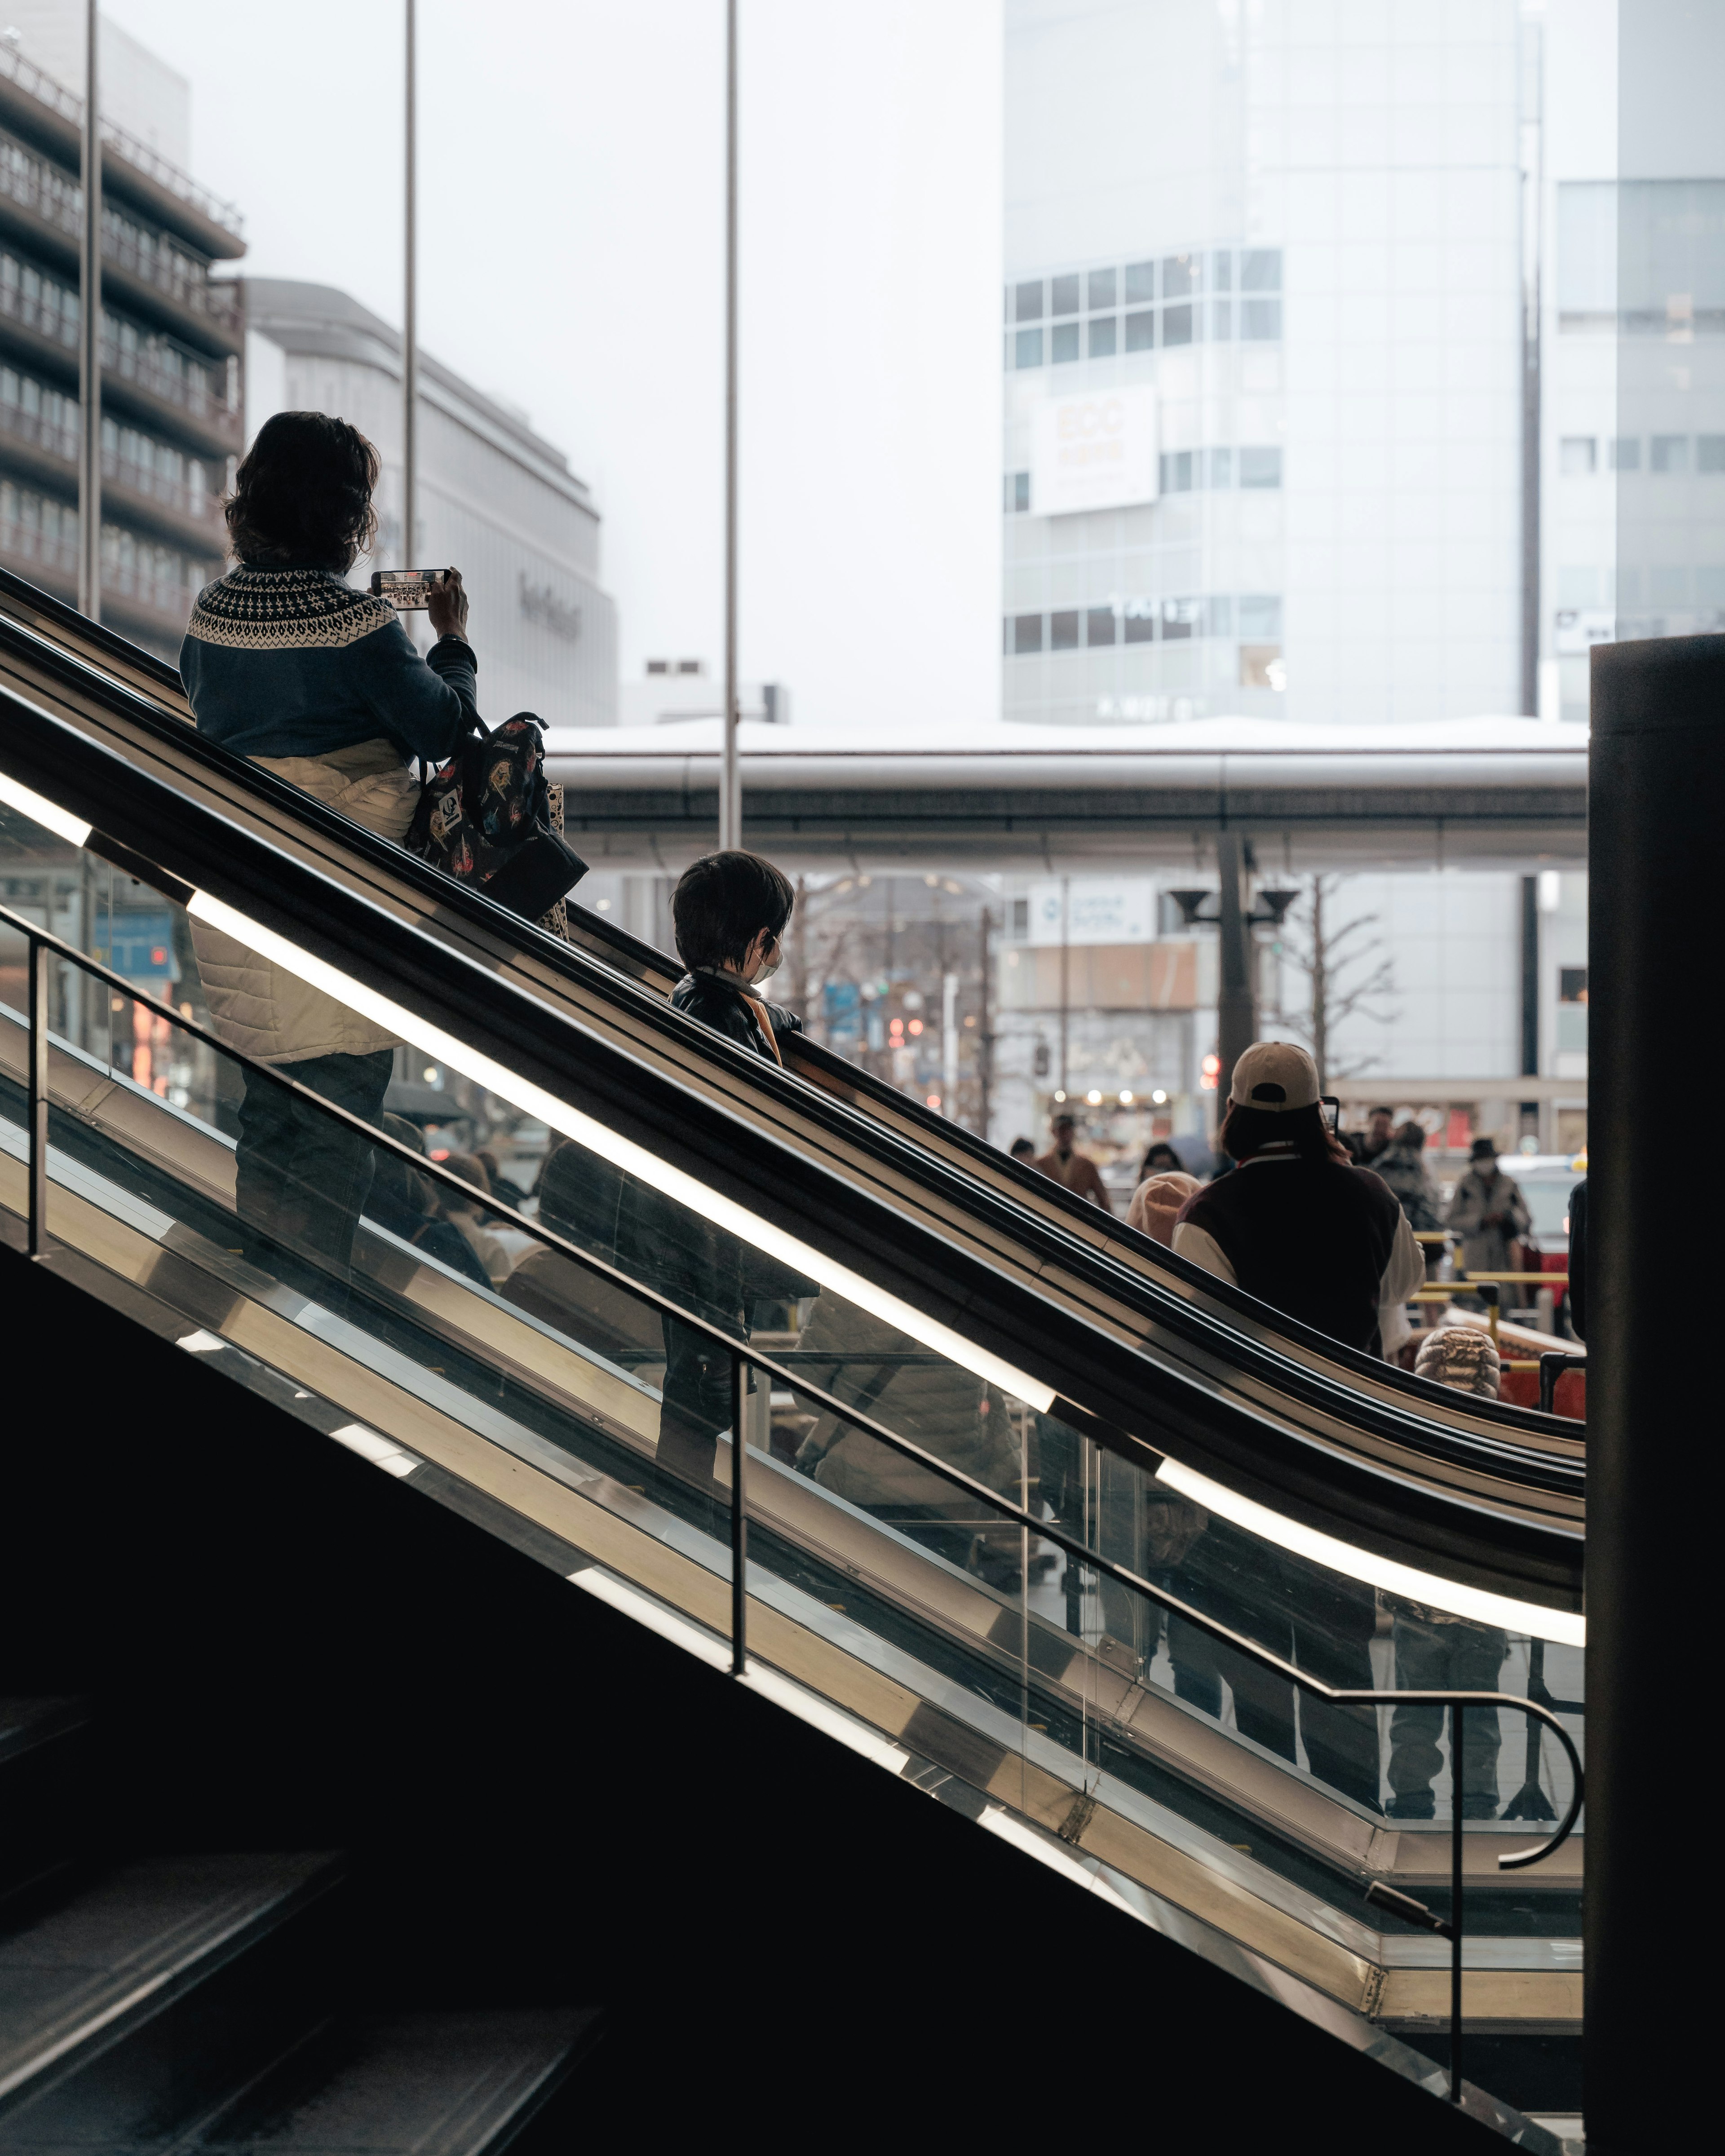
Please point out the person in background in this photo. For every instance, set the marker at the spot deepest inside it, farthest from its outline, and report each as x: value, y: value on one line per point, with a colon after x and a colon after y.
x: 1160, y: 1159
x: 1074, y: 1170
x: 505, y: 1192
x: 1024, y: 1149
x: 285, y: 663
x: 470, y: 1221
x: 1578, y: 1259
x: 1402, y: 1167
x: 1156, y: 1202
x: 1437, y: 1651
x: 406, y: 1203
x: 1378, y: 1137
x: 1488, y: 1212
x: 578, y: 1195
x: 1296, y: 1225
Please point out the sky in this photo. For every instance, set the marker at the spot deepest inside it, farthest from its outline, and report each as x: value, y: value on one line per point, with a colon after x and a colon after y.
x: 572, y: 262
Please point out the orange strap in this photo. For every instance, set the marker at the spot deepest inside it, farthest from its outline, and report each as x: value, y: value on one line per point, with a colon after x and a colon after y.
x: 766, y: 1026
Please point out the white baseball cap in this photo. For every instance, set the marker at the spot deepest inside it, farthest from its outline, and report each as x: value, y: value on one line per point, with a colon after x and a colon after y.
x: 1274, y: 1075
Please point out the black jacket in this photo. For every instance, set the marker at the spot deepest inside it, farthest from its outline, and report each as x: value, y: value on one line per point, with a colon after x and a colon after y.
x: 712, y: 998
x: 1578, y: 1259
x: 1309, y: 1237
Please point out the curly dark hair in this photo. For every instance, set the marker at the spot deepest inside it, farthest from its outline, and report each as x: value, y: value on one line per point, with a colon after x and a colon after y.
x: 302, y: 497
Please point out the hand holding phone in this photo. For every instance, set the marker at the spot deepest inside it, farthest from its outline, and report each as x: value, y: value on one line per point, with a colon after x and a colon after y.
x: 439, y: 592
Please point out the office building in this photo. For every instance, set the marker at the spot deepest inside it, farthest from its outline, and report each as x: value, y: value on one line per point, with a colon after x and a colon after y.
x: 173, y: 336
x: 494, y: 498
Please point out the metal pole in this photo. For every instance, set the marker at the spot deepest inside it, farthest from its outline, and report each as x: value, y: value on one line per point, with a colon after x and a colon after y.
x: 739, y: 1517
x: 1236, y: 1020
x: 730, y: 778
x: 37, y: 1242
x: 89, y: 336
x: 410, y: 311
x: 1456, y: 1713
x: 1065, y: 957
x: 985, y: 1038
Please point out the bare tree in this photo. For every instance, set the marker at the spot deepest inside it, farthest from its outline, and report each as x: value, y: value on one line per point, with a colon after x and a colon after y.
x: 1331, y: 957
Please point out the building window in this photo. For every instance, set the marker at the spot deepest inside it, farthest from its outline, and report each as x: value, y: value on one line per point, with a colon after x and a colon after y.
x: 1259, y: 619
x: 1572, y: 984
x: 1030, y: 301
x: 1065, y: 295
x: 1016, y: 487
x: 1261, y: 270
x: 1576, y: 455
x: 1180, y: 275
x: 1669, y: 453
x: 1027, y: 632
x: 1221, y: 320
x: 1176, y: 325
x: 1261, y: 320
x: 1260, y: 666
x: 1710, y: 453
x: 1063, y: 343
x: 1140, y: 282
x: 1261, y: 467
x: 1626, y: 453
x: 1177, y: 471
x: 1102, y: 333
x: 1179, y: 618
x: 1102, y: 287
x: 1140, y: 628
x: 1221, y: 467
x: 1063, y: 632
x: 1218, y: 617
x: 1141, y: 331
x: 1099, y: 626
x: 1030, y: 348
x: 1222, y: 271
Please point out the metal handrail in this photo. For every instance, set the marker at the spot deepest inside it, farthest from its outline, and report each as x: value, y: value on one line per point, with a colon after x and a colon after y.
x: 41, y: 944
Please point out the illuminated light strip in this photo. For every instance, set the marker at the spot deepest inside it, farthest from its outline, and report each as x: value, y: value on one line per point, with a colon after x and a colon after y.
x: 1476, y: 1603
x: 1032, y: 1844
x: 631, y: 1603
x: 52, y: 818
x: 381, y: 1451
x: 820, y: 1714
x: 598, y: 1137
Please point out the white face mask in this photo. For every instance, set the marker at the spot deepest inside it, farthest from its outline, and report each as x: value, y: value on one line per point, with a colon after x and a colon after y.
x: 774, y: 960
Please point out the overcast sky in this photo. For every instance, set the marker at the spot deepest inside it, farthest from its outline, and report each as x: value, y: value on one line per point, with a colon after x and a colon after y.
x: 571, y: 191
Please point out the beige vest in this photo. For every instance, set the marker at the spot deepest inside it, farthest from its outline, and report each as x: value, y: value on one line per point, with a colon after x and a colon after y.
x: 260, y: 1007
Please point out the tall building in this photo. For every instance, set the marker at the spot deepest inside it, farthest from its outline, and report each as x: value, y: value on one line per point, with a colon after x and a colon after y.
x: 1264, y: 361
x: 494, y: 497
x: 173, y: 336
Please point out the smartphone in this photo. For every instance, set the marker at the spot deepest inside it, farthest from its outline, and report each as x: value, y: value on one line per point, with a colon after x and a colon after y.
x: 406, y: 589
x: 1333, y: 1102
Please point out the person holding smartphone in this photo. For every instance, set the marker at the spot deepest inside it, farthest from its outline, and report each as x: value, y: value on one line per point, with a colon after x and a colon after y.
x: 285, y: 663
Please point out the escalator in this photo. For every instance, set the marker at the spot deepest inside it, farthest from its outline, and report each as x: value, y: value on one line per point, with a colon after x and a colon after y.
x: 969, y: 1416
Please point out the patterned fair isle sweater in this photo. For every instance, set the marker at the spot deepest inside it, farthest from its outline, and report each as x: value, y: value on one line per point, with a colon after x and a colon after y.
x: 295, y: 662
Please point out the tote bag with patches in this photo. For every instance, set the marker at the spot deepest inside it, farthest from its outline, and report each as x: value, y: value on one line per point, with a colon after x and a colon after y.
x: 488, y: 817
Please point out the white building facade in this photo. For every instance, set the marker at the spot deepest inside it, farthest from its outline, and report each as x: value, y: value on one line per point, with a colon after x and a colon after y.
x: 494, y: 498
x: 1284, y: 245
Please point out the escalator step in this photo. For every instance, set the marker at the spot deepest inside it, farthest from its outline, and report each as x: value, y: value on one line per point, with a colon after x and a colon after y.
x: 453, y: 2084
x: 99, y: 1970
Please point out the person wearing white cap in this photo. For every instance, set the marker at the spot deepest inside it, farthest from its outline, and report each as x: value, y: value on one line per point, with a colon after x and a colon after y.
x: 1303, y: 1229
x: 1298, y: 1225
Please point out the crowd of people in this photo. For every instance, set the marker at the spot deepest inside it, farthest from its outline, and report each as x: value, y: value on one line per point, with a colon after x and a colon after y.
x: 286, y: 663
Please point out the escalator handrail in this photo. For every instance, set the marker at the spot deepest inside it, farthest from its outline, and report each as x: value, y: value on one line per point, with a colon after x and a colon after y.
x: 769, y: 1365
x: 629, y: 965
x: 1307, y: 1475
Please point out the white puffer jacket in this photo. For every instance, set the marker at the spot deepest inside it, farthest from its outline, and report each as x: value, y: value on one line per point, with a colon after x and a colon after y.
x: 258, y: 1007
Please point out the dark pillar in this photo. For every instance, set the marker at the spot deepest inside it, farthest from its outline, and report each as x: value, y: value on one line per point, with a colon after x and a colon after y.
x: 1236, y: 1018
x: 1656, y: 805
